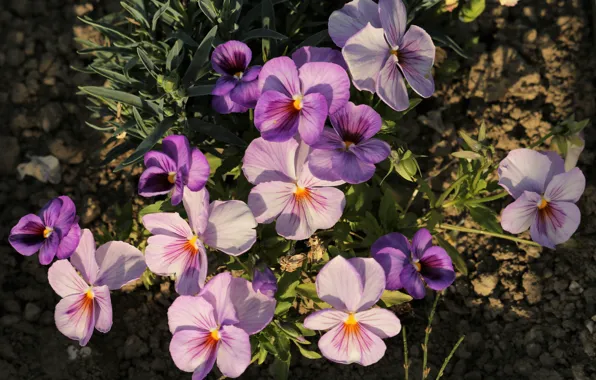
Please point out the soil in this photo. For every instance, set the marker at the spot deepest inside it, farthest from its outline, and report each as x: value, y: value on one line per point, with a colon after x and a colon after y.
x: 526, y: 313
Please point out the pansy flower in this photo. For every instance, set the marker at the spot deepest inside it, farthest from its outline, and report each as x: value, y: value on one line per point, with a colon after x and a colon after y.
x: 545, y: 196
x: 86, y: 302
x: 383, y: 59
x: 356, y: 329
x: 351, y: 19
x: 348, y: 152
x: 237, y: 88
x: 216, y: 325
x: 412, y: 266
x: 174, y: 168
x: 287, y: 191
x: 54, y: 233
x: 264, y: 281
x: 298, y: 100
x: 178, y: 247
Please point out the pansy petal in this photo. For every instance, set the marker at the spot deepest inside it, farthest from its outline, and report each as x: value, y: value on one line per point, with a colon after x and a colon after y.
x: 381, y: 322
x: 224, y: 105
x: 392, y: 260
x: 187, y: 313
x: 231, y: 57
x: 566, y: 187
x: 65, y: 281
x: 437, y: 268
x: 48, y: 249
x: 305, y: 178
x: 351, y: 169
x: 196, y: 204
x: 159, y: 160
x: 518, y: 216
x: 318, y: 54
x: 329, y: 139
x: 246, y: 94
x: 75, y: 317
x: 254, y: 310
x: 103, y: 308
x: 320, y: 164
x: 416, y: 59
x: 154, y: 181
x: 264, y: 280
x: 393, y: 240
x: 327, y: 79
x: 412, y: 281
x: 69, y: 242
x: 312, y: 117
x: 365, y: 54
x: 340, y: 285
x: 391, y: 86
x: 167, y: 223
x: 251, y: 74
x: 373, y: 278
x: 83, y: 259
x: 266, y: 161
x: 66, y: 216
x: 177, y: 147
x: 349, y: 20
x: 421, y: 241
x: 231, y: 227
x: 198, y: 174
x: 394, y: 18
x: 356, y: 123
x: 224, y: 85
x: 275, y: 117
x: 325, y: 319
x: 267, y: 200
x: 194, y: 351
x: 528, y: 170
x: 234, y: 352
x: 279, y: 75
x: 27, y: 236
x: 191, y: 274
x: 556, y: 225
x: 217, y: 293
x: 119, y: 263
x: 50, y: 212
x: 372, y: 151
x: 178, y: 191
x: 352, y: 345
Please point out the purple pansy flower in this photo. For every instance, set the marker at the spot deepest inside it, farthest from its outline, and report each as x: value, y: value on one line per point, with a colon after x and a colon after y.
x: 287, y: 191
x: 86, y: 302
x: 216, y: 325
x: 173, y: 169
x: 348, y: 152
x: 179, y: 248
x: 55, y: 232
x: 237, y: 89
x: 264, y: 281
x: 298, y: 100
x: 318, y: 54
x: 410, y: 266
x: 545, y: 196
x: 381, y: 54
x: 356, y: 329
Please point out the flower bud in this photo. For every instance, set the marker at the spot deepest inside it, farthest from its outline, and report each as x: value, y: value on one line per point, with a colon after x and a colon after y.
x: 170, y: 83
x: 264, y: 281
x: 407, y: 167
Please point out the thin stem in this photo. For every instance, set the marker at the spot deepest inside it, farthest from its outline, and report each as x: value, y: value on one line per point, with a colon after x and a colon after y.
x: 448, y: 358
x: 475, y: 201
x: 412, y: 198
x: 474, y: 231
x: 426, y: 371
x: 541, y: 140
x: 406, y: 362
x: 248, y: 271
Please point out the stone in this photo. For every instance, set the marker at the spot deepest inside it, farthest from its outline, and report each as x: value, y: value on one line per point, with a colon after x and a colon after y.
x: 533, y: 350
x: 9, y: 154
x: 485, y: 284
x: 15, y: 57
x: 575, y: 288
x: 9, y: 320
x: 19, y: 94
x: 90, y: 209
x: 66, y: 153
x: 12, y: 306
x: 51, y: 116
x: 32, y: 312
x: 134, y: 347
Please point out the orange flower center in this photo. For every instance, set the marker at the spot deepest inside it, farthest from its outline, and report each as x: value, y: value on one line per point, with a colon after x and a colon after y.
x: 172, y: 177
x: 394, y: 52
x: 215, y: 335
x: 89, y: 293
x: 192, y: 245
x: 543, y: 204
x: 238, y: 75
x: 348, y: 144
x: 417, y: 266
x: 297, y: 103
x: 47, y: 232
x: 351, y: 326
x: 301, y: 193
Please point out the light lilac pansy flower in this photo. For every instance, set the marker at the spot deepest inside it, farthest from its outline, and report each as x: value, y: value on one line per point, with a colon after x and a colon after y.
x: 381, y: 59
x: 411, y: 266
x: 54, y: 233
x: 356, y: 329
x: 264, y: 280
x: 298, y: 100
x: 318, y: 54
x: 351, y: 19
x: 545, y: 196
x: 348, y: 152
x: 177, y: 166
x: 237, y: 89
x: 86, y: 302
x: 287, y: 191
x: 178, y: 247
x: 216, y: 325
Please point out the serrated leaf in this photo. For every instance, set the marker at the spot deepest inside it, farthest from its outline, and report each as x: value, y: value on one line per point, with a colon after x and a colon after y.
x: 486, y: 217
x: 263, y: 33
x: 199, y: 90
x: 394, y: 297
x: 200, y: 58
x: 122, y: 97
x: 471, y: 10
x: 218, y: 132
x: 458, y: 261
x: 172, y: 59
x: 308, y: 353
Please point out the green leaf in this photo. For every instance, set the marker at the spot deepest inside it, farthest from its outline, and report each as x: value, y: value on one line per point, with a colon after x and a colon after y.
x: 262, y: 356
x: 482, y: 132
x: 315, y: 39
x: 425, y: 188
x: 148, y: 143
x: 218, y: 132
x: 486, y: 217
x: 116, y: 77
x: 135, y: 14
x: 304, y: 330
x: 282, y: 307
x: 108, y: 30
x: 122, y: 97
x: 280, y: 369
x: 209, y: 10
x: 388, y: 211
x: 147, y: 62
x: 444, y: 39
x: 115, y: 152
x: 163, y: 9
x: 472, y: 144
x: 199, y: 90
x: 458, y: 261
x: 263, y: 33
x: 467, y: 155
x: 286, y: 286
x: 124, y: 221
x: 394, y: 297
x: 159, y: 206
x: 268, y: 22
x: 200, y: 58
x: 309, y: 291
x: 172, y: 59
x: 308, y: 354
x: 471, y: 10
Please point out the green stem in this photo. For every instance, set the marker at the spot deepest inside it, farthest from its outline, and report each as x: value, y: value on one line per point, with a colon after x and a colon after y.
x: 475, y: 201
x: 406, y: 362
x: 248, y: 271
x: 426, y: 371
x: 412, y: 198
x: 474, y: 231
x: 448, y: 358
x: 542, y: 139
x: 450, y: 189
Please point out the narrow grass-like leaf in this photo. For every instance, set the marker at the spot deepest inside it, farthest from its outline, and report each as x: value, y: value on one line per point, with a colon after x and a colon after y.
x: 172, y: 60
x: 218, y: 132
x: 116, y: 152
x: 199, y: 90
x: 199, y: 59
x: 315, y: 39
x: 209, y: 10
x: 135, y: 14
x: 158, y: 14
x: 148, y: 143
x: 107, y: 29
x: 116, y: 77
x: 122, y: 97
x: 268, y: 22
x: 263, y: 33
x: 147, y: 62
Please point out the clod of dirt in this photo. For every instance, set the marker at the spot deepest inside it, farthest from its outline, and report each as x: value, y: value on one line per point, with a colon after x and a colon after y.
x: 90, y: 210
x: 485, y: 284
x: 532, y: 287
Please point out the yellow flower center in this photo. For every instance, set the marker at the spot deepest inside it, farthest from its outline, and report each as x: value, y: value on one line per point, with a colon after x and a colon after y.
x: 238, y: 75
x: 47, y: 232
x: 301, y: 193
x: 351, y: 320
x: 543, y: 204
x: 191, y: 244
x: 394, y: 52
x: 348, y: 144
x: 172, y: 177
x: 417, y: 266
x: 215, y: 335
x: 297, y: 102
